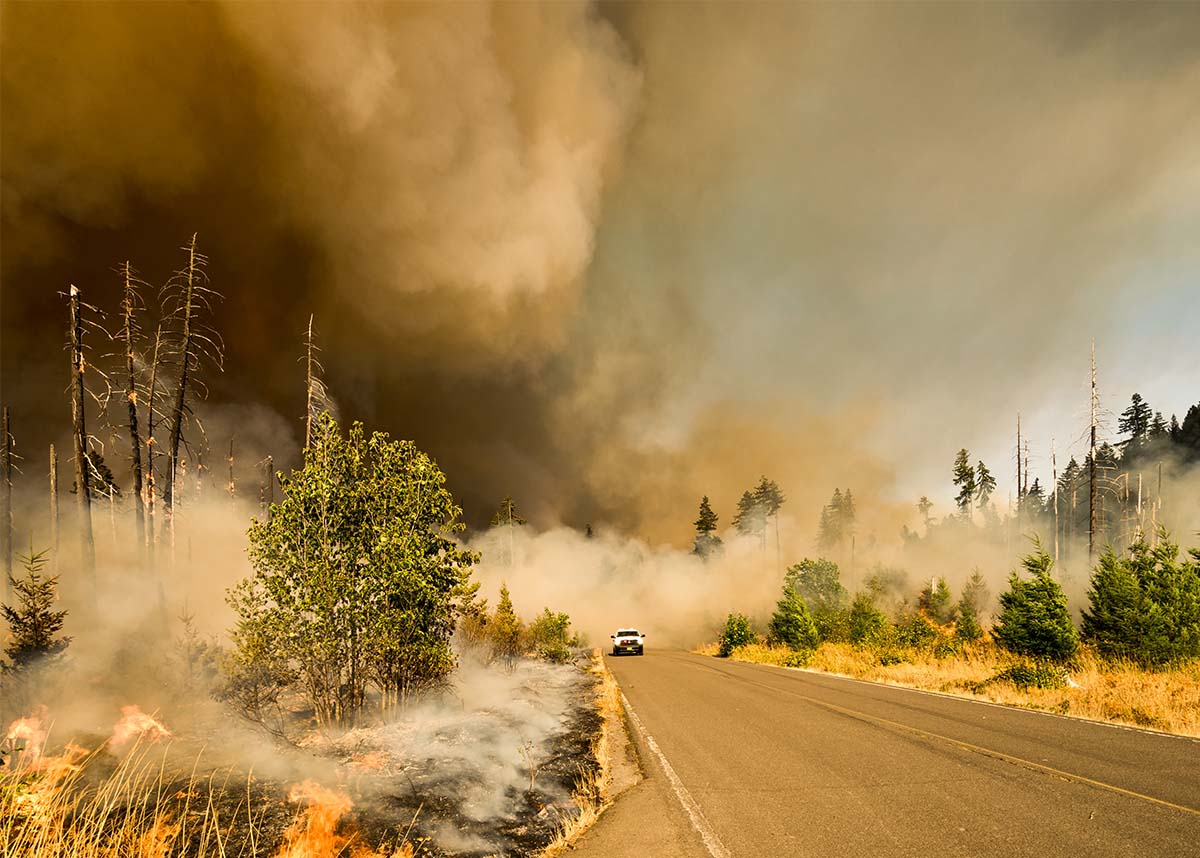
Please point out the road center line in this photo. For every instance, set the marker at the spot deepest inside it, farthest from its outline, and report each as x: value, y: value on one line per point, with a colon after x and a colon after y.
x: 977, y: 749
x: 711, y: 841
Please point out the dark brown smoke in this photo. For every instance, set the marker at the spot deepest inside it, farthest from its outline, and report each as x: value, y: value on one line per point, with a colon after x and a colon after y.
x: 606, y: 259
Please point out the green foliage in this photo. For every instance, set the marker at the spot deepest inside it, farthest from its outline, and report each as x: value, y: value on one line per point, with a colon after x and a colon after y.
x: 506, y: 630
x: 507, y: 514
x: 937, y: 602
x: 817, y: 582
x: 915, y: 631
x: 868, y: 625
x: 1145, y: 607
x: 976, y: 594
x: 1034, y: 619
x: 1136, y: 419
x: 1036, y: 675
x: 750, y: 518
x: 707, y: 543
x: 964, y: 478
x: 551, y: 638
x: 33, y: 624
x: 356, y: 575
x: 735, y: 633
x: 985, y: 484
x: 967, y: 627
x: 837, y: 520
x: 791, y: 624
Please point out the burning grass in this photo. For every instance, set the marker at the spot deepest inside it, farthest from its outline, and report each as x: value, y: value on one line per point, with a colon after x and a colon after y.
x: 1166, y: 700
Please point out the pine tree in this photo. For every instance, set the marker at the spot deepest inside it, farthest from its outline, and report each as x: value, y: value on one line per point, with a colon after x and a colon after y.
x: 1145, y: 606
x: 706, y: 543
x: 924, y: 505
x: 1189, y: 433
x: 1135, y: 419
x: 791, y: 624
x: 749, y: 519
x: 507, y: 514
x: 964, y: 478
x: 505, y: 629
x: 976, y: 593
x: 32, y: 622
x: 1158, y: 427
x: 867, y: 623
x: 967, y: 626
x: 1034, y: 618
x: 985, y: 484
x: 936, y: 601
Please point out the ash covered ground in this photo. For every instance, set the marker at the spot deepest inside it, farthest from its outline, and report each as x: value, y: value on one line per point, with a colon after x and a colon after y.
x: 487, y: 770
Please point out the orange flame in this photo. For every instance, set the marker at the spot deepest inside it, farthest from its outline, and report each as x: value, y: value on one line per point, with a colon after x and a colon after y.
x: 313, y: 834
x: 29, y: 731
x: 135, y: 723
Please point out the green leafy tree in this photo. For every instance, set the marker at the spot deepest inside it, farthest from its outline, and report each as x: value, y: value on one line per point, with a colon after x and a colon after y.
x: 1145, y: 606
x: 817, y: 582
x: 550, y: 634
x: 33, y: 624
x: 937, y: 601
x: 1136, y: 419
x: 791, y: 624
x: 706, y: 543
x: 506, y: 631
x: 1034, y: 619
x: 356, y: 574
x: 735, y: 633
x: 868, y: 625
x: 964, y: 478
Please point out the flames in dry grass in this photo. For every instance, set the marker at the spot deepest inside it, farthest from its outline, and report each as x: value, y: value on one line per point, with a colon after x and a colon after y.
x: 50, y: 807
x: 135, y: 723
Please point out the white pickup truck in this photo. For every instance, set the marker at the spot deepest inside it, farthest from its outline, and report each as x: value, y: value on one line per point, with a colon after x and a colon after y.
x: 628, y: 640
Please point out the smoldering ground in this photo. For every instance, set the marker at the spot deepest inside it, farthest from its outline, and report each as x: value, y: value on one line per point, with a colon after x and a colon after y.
x: 559, y: 245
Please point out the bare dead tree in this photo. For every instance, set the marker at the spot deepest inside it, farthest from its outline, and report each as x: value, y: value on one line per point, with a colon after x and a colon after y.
x: 316, y: 394
x: 1020, y: 494
x: 232, y: 484
x: 188, y: 297
x: 54, y: 507
x: 1054, y: 468
x: 266, y: 491
x: 152, y: 446
x: 1095, y: 404
x: 6, y: 519
x: 80, y: 439
x: 131, y: 304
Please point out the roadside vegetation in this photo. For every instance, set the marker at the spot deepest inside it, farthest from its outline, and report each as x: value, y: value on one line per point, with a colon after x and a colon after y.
x: 1134, y: 658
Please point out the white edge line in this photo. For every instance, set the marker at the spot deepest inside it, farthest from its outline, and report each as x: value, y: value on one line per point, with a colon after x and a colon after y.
x: 950, y: 696
x: 711, y: 841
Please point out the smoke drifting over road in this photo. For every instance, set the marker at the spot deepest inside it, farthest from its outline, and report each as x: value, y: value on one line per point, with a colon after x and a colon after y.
x: 609, y: 258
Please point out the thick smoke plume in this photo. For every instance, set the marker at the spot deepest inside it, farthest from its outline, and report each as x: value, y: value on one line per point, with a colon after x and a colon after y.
x: 581, y: 252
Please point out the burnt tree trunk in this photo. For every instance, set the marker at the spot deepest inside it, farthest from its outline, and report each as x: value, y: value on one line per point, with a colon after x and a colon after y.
x: 188, y: 309
x: 54, y: 507
x: 83, y: 492
x: 308, y: 376
x: 128, y: 305
x: 232, y: 484
x: 151, y: 446
x: 6, y: 528
x: 1092, y: 468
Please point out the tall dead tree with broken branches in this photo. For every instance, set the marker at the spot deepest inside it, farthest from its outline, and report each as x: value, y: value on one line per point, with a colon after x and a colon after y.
x: 187, y: 300
x: 130, y: 334
x: 79, y: 437
x: 316, y: 394
x: 6, y: 520
x: 54, y: 508
x: 1095, y: 408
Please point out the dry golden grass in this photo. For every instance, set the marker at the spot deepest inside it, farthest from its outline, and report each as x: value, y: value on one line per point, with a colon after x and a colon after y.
x: 1166, y: 700
x: 80, y: 804
x: 594, y: 787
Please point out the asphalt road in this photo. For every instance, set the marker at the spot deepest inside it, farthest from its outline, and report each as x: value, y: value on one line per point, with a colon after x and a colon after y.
x: 748, y: 760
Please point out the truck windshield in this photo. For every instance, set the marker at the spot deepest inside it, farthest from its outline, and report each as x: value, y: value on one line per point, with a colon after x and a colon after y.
x: 628, y: 633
